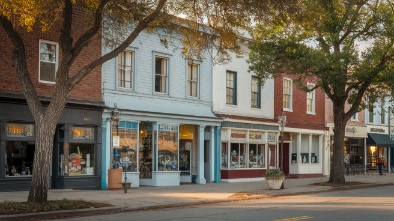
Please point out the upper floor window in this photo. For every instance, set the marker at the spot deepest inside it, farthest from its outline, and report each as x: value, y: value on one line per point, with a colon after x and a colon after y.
x: 161, y: 74
x: 192, y: 80
x: 125, y: 71
x: 255, y: 93
x: 287, y: 94
x: 231, y: 87
x: 310, y: 100
x: 354, y: 117
x: 382, y: 116
x: 48, y: 61
x: 370, y: 115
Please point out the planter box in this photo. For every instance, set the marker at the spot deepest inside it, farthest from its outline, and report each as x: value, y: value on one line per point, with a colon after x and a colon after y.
x: 274, y: 183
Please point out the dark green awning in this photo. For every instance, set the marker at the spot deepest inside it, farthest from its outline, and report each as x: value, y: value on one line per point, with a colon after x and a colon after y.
x: 380, y: 140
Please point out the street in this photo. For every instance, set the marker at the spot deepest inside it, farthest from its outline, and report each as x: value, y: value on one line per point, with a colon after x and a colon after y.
x: 359, y: 204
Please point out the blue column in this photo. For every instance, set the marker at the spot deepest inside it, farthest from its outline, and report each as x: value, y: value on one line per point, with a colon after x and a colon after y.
x: 104, y: 156
x: 217, y: 140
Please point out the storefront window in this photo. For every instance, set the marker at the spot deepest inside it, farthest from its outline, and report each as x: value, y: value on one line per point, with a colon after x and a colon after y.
x: 19, y: 158
x: 82, y: 133
x: 354, y: 151
x: 126, y: 155
x: 304, y: 148
x: 20, y: 130
x: 315, y: 149
x: 238, y: 155
x: 168, y: 147
x: 224, y: 156
x: 81, y: 159
x: 256, y: 156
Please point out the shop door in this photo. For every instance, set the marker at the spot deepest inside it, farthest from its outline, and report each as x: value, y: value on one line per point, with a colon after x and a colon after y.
x: 185, y: 155
x: 286, y: 160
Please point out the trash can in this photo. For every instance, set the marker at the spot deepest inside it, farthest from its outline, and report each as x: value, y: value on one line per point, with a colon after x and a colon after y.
x: 115, y: 178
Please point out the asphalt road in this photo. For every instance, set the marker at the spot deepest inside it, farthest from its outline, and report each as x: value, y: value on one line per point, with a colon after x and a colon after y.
x: 375, y: 204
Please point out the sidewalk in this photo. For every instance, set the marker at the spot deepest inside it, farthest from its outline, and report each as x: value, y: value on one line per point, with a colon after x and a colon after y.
x: 188, y: 194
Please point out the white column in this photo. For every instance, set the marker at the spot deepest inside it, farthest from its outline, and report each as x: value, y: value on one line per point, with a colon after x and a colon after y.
x: 310, y: 149
x: 200, y: 156
x: 299, y: 158
x: 321, y: 147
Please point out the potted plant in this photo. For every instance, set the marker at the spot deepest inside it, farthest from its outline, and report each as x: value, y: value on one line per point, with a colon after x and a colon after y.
x: 275, y: 178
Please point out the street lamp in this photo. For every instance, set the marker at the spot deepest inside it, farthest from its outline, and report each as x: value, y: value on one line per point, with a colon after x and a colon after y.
x: 282, y: 123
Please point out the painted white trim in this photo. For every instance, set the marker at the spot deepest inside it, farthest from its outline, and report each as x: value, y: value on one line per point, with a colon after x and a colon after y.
x: 39, y: 60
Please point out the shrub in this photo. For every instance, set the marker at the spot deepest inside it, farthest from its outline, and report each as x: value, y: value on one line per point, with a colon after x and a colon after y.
x: 274, y: 173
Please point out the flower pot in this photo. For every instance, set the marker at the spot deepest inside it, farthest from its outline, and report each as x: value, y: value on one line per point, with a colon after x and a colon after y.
x: 274, y: 183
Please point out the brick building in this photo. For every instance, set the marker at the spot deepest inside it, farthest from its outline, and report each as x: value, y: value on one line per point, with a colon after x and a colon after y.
x: 305, y: 152
x: 79, y: 128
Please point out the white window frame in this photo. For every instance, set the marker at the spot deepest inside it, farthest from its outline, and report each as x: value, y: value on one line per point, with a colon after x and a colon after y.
x: 382, y: 116
x: 369, y: 115
x: 310, y: 96
x: 255, y: 86
x: 163, y: 76
x: 191, y: 81
x: 290, y: 94
x: 39, y: 60
x: 131, y: 70
x: 233, y: 86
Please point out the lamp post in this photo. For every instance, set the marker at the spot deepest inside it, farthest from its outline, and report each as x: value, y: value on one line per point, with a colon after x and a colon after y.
x: 282, y: 123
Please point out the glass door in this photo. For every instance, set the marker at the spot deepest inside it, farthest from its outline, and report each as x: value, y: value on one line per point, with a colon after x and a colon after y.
x: 185, y: 154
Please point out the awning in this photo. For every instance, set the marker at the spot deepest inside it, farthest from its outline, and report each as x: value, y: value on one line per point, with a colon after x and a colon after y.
x: 380, y: 140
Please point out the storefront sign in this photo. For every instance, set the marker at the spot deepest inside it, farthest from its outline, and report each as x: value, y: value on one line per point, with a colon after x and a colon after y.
x: 20, y: 130
x: 378, y: 130
x: 167, y: 127
x: 272, y: 137
x: 254, y: 136
x: 115, y: 141
x: 352, y: 130
x: 238, y: 135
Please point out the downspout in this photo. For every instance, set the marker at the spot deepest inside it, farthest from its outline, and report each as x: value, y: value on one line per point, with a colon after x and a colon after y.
x: 389, y: 149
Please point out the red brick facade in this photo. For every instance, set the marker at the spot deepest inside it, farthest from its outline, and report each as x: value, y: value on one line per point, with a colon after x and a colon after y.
x: 298, y: 117
x: 88, y: 89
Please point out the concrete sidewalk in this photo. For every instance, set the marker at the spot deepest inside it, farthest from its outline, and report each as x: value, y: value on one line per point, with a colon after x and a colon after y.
x: 189, y: 194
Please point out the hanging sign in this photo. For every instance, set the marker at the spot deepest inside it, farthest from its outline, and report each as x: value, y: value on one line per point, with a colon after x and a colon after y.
x: 115, y: 141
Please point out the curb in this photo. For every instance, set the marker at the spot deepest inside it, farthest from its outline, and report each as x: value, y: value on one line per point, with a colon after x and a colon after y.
x: 114, y: 210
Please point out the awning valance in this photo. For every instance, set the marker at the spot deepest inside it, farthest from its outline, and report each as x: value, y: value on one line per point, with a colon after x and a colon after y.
x: 380, y: 140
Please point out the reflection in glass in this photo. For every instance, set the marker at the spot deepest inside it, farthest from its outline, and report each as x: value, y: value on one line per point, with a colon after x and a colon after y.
x: 126, y: 155
x: 81, y: 159
x: 168, y: 148
x: 19, y: 158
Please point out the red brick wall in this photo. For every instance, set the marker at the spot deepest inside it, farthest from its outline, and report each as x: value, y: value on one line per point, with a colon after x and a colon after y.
x: 88, y: 89
x: 298, y: 118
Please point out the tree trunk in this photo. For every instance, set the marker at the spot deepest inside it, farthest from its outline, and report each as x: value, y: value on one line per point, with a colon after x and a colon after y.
x: 45, y: 130
x: 337, y: 172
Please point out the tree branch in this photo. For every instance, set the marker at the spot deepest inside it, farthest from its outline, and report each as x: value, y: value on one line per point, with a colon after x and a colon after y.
x: 19, y: 55
x: 133, y: 35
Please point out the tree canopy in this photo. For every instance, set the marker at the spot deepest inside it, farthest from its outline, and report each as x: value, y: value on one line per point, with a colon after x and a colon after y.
x: 200, y: 24
x: 346, y: 46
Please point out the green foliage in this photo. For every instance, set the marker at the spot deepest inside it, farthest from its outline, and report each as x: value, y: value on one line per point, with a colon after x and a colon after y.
x: 345, y: 47
x: 274, y: 173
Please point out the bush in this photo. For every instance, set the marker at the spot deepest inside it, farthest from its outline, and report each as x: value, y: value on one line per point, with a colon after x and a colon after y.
x: 274, y: 173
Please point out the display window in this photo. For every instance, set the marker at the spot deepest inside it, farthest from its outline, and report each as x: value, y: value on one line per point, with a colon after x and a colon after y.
x: 81, y: 159
x: 309, y: 149
x: 167, y: 147
x: 125, y: 155
x: 19, y: 158
x: 256, y: 155
x: 242, y: 155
